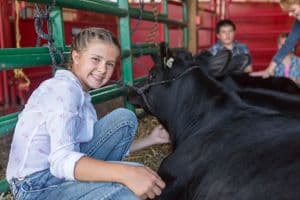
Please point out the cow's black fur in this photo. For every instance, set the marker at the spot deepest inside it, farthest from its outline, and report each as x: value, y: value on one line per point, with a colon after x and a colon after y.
x: 235, y: 137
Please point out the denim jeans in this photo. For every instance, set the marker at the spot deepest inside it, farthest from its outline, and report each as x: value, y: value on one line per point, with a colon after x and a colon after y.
x: 113, y: 135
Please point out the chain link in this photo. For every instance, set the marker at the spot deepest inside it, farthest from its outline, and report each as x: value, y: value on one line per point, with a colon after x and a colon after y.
x: 39, y: 17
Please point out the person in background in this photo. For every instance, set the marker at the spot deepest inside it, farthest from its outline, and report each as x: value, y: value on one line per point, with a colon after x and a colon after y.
x: 225, y: 30
x: 293, y: 9
x: 60, y: 150
x: 289, y: 67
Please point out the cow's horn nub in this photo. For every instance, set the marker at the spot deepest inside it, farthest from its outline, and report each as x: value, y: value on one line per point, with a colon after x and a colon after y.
x: 169, y: 62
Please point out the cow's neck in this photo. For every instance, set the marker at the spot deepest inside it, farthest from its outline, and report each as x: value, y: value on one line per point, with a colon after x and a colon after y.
x: 199, y: 106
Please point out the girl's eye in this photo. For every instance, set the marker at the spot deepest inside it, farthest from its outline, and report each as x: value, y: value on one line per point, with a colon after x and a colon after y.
x: 111, y: 65
x: 96, y: 59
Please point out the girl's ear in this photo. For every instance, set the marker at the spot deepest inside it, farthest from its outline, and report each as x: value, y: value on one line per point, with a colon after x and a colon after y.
x: 75, y: 56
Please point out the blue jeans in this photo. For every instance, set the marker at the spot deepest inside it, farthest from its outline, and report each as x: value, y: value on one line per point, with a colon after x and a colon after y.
x: 113, y: 135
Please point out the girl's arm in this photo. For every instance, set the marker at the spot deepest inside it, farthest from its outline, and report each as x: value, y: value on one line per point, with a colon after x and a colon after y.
x: 297, y: 81
x: 143, y: 181
x: 269, y: 71
x: 289, y: 44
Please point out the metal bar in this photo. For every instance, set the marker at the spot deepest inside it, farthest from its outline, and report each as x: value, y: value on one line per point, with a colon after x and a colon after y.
x: 8, y: 122
x: 199, y: 27
x: 112, y: 9
x: 125, y: 38
x: 206, y: 10
x: 148, y: 50
x: 109, y: 93
x: 185, y: 19
x: 12, y: 58
x: 143, y: 45
x: 139, y: 52
x: 88, y: 5
x: 24, y: 50
x: 58, y: 34
x: 178, y: 3
x: 5, y: 89
x: 149, y: 16
x: 4, y: 187
x: 214, y: 20
x: 166, y: 28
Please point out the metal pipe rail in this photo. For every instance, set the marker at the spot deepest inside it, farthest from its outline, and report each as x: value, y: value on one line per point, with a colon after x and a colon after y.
x: 112, y: 8
x: 12, y: 58
x: 8, y: 122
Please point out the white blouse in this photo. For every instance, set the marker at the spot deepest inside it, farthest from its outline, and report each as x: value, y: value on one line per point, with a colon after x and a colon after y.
x: 58, y: 117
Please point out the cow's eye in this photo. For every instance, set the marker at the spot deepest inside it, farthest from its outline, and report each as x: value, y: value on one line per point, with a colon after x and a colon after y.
x: 152, y: 76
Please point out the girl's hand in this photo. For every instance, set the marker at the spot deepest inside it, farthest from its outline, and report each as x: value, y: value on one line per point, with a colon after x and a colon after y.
x: 266, y: 75
x: 159, y: 135
x: 263, y: 74
x: 143, y: 181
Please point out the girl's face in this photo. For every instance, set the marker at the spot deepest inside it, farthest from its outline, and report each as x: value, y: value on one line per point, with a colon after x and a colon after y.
x: 294, y: 10
x: 226, y: 35
x: 95, y: 64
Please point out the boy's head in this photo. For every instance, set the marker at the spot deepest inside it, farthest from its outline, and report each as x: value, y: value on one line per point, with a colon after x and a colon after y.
x: 281, y: 39
x: 225, y: 30
x: 292, y: 7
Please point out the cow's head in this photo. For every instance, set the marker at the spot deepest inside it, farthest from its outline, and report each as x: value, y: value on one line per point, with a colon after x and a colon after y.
x: 176, y: 83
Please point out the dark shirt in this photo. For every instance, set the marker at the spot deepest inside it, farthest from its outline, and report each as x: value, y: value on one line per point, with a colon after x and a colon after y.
x: 238, y: 48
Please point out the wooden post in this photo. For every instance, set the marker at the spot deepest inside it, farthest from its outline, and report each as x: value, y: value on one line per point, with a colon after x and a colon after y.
x: 192, y: 26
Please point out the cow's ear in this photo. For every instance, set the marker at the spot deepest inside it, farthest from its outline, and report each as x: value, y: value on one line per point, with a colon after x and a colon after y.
x: 166, y: 56
x: 217, y: 64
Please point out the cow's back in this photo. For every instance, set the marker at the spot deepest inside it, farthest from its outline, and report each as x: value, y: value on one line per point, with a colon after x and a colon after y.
x: 251, y: 154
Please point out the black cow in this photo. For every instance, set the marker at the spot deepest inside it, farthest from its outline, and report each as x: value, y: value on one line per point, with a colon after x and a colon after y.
x: 235, y: 137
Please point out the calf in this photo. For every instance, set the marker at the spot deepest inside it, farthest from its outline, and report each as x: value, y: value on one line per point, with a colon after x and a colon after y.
x: 234, y: 137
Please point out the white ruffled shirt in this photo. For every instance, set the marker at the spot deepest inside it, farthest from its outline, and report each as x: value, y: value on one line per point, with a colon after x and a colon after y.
x: 58, y: 117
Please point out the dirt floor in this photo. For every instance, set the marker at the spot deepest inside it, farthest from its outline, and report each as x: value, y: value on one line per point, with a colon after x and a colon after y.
x: 151, y: 156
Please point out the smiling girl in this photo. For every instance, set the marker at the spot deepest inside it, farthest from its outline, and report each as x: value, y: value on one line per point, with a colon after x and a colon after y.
x: 61, y: 151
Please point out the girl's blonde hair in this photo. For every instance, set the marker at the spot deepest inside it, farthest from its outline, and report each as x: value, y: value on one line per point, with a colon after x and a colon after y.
x: 87, y: 35
x: 286, y: 4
